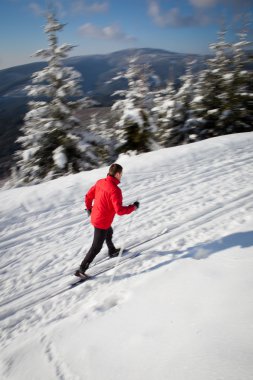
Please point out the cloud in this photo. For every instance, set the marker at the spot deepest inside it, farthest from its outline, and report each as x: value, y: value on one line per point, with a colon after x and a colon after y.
x: 238, y: 10
x: 78, y: 6
x: 111, y: 32
x: 174, y: 18
x: 202, y: 12
x: 55, y: 5
x: 81, y: 6
x: 228, y: 3
x: 36, y: 9
x: 203, y: 3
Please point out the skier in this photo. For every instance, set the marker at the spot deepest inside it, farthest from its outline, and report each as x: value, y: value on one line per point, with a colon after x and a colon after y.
x: 103, y: 201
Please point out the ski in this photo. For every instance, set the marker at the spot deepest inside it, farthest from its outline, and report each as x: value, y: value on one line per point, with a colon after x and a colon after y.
x: 96, y: 270
x: 135, y: 245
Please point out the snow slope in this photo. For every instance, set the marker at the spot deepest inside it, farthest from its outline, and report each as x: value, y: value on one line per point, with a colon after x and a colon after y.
x: 181, y: 310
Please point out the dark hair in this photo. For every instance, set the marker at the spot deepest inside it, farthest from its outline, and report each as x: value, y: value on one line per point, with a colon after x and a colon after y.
x: 115, y: 168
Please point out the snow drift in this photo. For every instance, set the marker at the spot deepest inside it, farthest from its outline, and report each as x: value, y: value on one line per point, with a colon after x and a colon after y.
x: 180, y: 310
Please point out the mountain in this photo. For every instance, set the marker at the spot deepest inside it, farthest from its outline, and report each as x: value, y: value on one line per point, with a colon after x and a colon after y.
x: 96, y: 70
x: 181, y: 310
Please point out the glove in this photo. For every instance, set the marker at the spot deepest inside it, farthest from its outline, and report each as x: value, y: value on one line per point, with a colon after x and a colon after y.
x: 88, y: 212
x: 137, y: 204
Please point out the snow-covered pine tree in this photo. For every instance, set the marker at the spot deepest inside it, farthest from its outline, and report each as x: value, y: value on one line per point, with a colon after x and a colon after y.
x: 222, y: 100
x: 164, y: 112
x: 49, y: 147
x: 239, y: 114
x: 222, y: 95
x: 181, y: 131
x: 134, y: 127
x: 210, y: 95
x: 102, y: 139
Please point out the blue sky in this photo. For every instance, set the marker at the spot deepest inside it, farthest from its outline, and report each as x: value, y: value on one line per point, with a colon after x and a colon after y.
x: 104, y: 26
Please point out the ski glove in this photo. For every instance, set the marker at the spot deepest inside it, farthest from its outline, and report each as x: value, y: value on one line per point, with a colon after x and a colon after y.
x: 137, y: 204
x: 88, y: 212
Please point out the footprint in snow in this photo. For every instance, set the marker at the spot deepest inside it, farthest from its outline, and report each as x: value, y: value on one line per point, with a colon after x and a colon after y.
x: 108, y: 303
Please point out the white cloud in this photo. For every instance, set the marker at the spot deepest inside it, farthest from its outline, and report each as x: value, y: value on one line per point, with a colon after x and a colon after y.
x: 219, y: 8
x: 81, y: 6
x: 36, y: 9
x: 203, y: 3
x: 55, y: 5
x: 173, y: 17
x: 213, y: 3
x: 203, y: 12
x: 108, y: 32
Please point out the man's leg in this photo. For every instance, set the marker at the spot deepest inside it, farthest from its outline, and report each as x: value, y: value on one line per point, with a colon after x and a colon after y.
x: 111, y: 248
x: 97, y: 244
x: 108, y: 240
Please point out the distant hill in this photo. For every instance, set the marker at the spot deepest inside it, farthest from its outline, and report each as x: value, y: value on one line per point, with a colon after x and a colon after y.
x: 96, y: 70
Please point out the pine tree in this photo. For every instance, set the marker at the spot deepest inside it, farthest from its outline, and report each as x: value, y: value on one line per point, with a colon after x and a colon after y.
x: 135, y: 125
x: 164, y: 113
x: 48, y: 145
x: 180, y: 129
x: 222, y: 95
x: 210, y: 96
x: 240, y: 88
x: 102, y: 139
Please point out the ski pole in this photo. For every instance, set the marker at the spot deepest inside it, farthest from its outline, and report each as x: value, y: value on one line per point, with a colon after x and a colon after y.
x: 122, y: 248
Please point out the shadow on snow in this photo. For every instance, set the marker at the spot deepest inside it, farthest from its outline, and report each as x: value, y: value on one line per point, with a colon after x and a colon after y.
x: 199, y: 252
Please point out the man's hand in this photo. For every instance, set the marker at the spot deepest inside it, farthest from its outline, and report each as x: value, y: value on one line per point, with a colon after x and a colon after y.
x: 137, y: 205
x: 88, y: 212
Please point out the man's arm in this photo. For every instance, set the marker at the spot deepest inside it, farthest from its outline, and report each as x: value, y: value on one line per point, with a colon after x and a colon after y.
x: 117, y: 204
x: 89, y: 197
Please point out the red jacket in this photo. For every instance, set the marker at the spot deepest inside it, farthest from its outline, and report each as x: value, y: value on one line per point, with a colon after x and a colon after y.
x: 107, y: 198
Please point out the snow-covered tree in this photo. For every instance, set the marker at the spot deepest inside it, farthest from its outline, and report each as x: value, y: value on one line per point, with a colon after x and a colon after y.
x: 211, y: 96
x: 49, y: 145
x: 179, y: 129
x: 239, y: 115
x: 222, y: 95
x: 135, y: 126
x: 164, y: 113
x: 102, y: 139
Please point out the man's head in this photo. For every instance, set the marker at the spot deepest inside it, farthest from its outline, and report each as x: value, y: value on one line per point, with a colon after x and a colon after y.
x: 115, y: 170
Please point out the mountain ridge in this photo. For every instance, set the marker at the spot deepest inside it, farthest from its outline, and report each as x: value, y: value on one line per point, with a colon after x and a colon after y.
x: 99, y: 67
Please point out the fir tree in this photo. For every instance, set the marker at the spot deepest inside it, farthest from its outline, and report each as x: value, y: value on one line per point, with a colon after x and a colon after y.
x: 210, y: 96
x: 222, y: 95
x: 164, y: 113
x: 48, y: 145
x: 102, y: 139
x: 135, y: 126
x: 240, y: 89
x: 180, y: 129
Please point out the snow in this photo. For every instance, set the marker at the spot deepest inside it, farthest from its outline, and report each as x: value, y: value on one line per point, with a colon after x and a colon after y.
x: 197, y: 99
x: 213, y: 112
x: 180, y: 310
x: 131, y: 115
x: 228, y: 76
x: 29, y: 153
x: 59, y: 157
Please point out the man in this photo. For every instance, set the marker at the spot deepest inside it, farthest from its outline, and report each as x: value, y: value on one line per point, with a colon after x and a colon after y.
x: 103, y: 201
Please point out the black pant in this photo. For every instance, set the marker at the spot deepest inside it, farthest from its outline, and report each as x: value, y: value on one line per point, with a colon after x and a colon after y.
x: 98, y: 240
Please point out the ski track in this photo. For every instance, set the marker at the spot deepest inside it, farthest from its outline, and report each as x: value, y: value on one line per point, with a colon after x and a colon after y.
x: 221, y: 193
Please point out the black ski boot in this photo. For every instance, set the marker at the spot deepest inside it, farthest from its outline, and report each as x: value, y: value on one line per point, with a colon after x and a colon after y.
x: 114, y: 253
x: 79, y: 273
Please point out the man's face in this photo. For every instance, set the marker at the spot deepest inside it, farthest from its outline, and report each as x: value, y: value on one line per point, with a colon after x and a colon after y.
x: 118, y: 175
